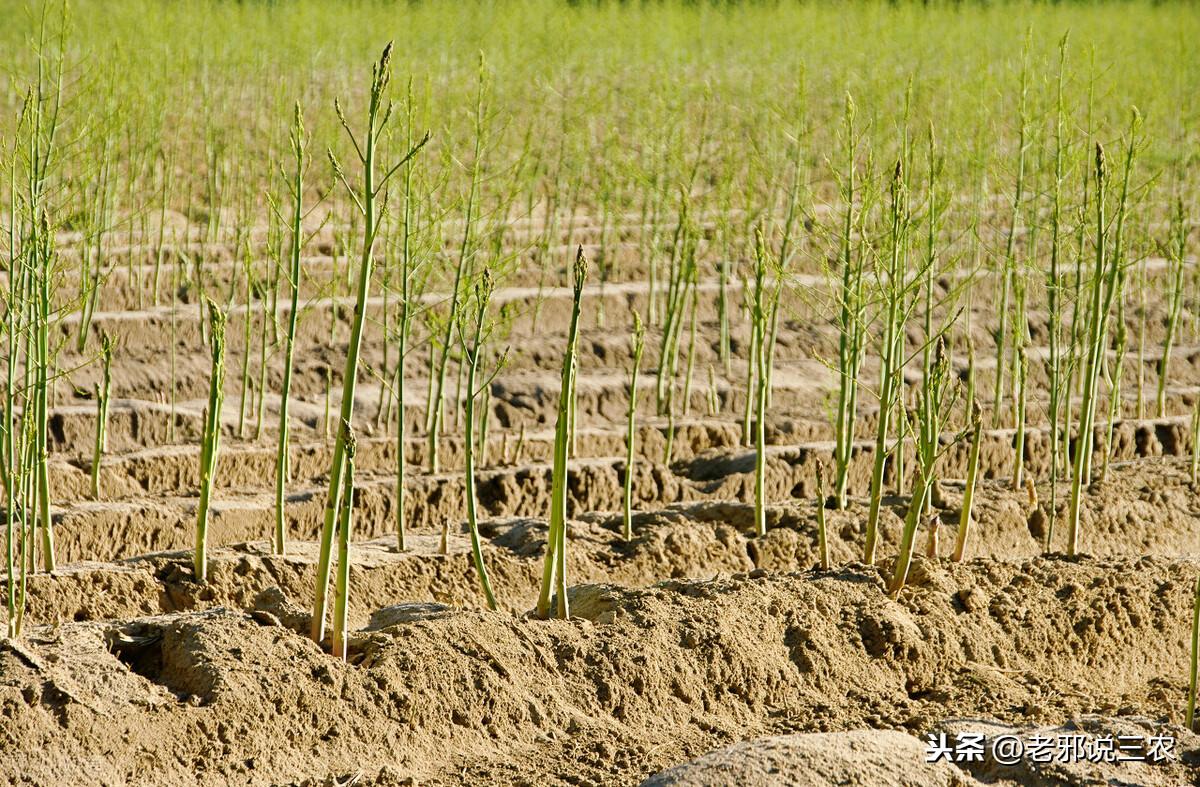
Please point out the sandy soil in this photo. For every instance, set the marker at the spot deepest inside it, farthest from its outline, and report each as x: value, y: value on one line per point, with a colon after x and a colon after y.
x: 698, y: 652
x: 640, y: 678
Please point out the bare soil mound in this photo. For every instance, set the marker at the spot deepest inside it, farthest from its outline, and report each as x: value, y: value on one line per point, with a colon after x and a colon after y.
x: 866, y: 758
x: 873, y: 758
x: 639, y: 680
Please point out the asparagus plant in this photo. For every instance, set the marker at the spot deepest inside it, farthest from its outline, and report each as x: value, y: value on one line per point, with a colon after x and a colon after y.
x: 964, y: 516
x: 760, y: 319
x: 1141, y: 352
x: 473, y: 347
x: 364, y: 199
x: 751, y: 365
x: 91, y: 257
x: 929, y: 448
x: 404, y: 329
x: 934, y: 215
x: 850, y: 328
x: 891, y: 350
x: 341, y: 602
x: 211, y: 440
x: 268, y: 334
x: 822, y: 534
x: 1120, y: 265
x: 103, y: 391
x: 166, y: 170
x: 12, y: 458
x: 714, y: 396
x: 554, y: 569
x: 294, y: 182
x: 1009, y: 262
x: 1103, y: 290
x: 1054, y: 290
x: 40, y: 123
x: 1176, y: 251
x: 691, y: 356
x: 435, y: 416
x: 638, y: 344
x: 246, y: 396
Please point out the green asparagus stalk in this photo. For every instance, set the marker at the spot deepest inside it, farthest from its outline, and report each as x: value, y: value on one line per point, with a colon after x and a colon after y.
x: 639, y: 344
x: 365, y: 200
x: 1177, y: 249
x: 964, y: 517
x: 472, y: 350
x: 212, y: 436
x: 295, y: 185
x: 760, y: 319
x: 822, y: 534
x: 341, y: 602
x: 554, y: 570
x: 103, y: 391
x: 891, y: 360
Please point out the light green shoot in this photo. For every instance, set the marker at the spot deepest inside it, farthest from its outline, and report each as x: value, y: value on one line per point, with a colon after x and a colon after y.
x: 822, y: 530
x: 891, y: 351
x: 103, y: 391
x: 638, y: 345
x: 212, y: 436
x: 760, y: 319
x: 1176, y: 252
x: 1104, y: 289
x: 1010, y: 245
x: 964, y: 517
x: 928, y: 449
x: 295, y: 185
x: 435, y: 414
x: 341, y: 602
x: 850, y: 333
x: 554, y: 570
x: 473, y: 347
